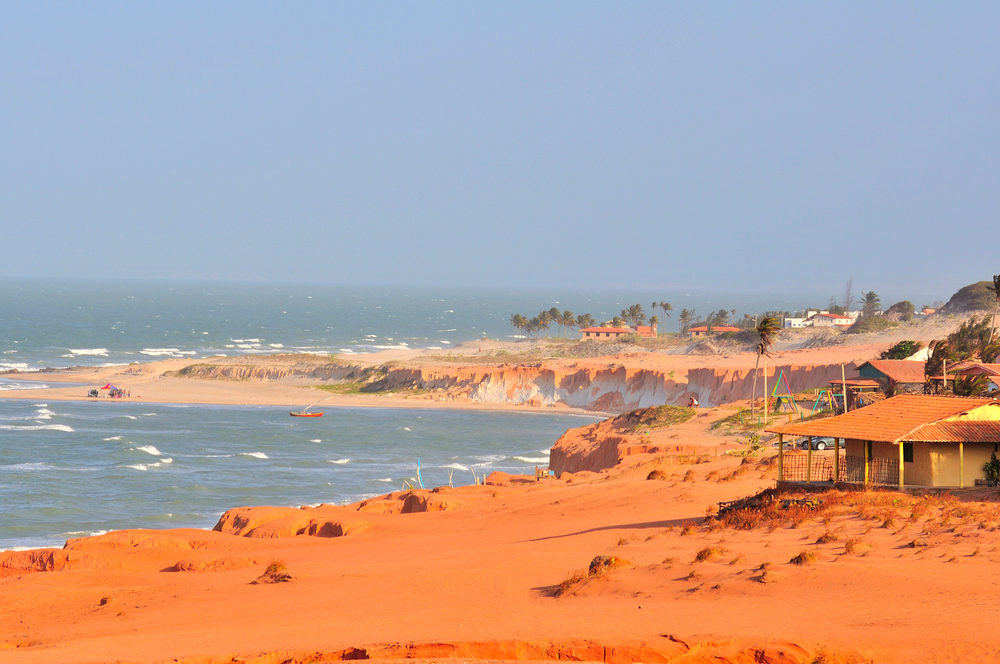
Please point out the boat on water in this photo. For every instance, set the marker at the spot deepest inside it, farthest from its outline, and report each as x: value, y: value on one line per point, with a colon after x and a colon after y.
x: 302, y: 413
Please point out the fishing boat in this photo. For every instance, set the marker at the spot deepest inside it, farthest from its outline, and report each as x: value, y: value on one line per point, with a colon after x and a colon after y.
x: 305, y: 411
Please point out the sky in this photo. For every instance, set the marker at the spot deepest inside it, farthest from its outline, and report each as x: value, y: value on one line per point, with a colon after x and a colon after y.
x: 761, y: 146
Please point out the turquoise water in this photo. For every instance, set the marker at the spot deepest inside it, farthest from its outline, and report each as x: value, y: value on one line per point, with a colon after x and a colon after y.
x: 69, y: 469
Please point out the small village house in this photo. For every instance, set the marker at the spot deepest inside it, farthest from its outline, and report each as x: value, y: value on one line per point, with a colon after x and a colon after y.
x: 906, y: 440
x: 826, y: 319
x: 606, y: 332
x: 705, y: 331
x: 895, y: 376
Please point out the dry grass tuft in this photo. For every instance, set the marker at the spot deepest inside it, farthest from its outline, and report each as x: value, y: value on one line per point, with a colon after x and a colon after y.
x: 688, y: 529
x: 805, y: 558
x: 710, y: 553
x: 828, y: 538
x: 276, y: 572
x: 570, y: 582
x: 689, y: 476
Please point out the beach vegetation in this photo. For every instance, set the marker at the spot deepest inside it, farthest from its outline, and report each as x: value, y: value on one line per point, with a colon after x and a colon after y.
x: 657, y: 417
x: 804, y: 558
x: 901, y: 350
x: 767, y: 332
x: 710, y: 553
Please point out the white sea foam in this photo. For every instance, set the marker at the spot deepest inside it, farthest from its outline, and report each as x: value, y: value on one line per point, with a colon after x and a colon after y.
x: 39, y: 427
x: 43, y: 414
x: 114, y: 438
x: 444, y: 342
x: 532, y: 459
x: 434, y: 348
x: 99, y: 352
x: 8, y: 352
x: 383, y: 479
x: 20, y: 366
x: 149, y: 449
x: 401, y: 346
x: 407, y: 429
x: 27, y: 466
x: 339, y: 462
x: 255, y: 455
x: 138, y: 466
x: 245, y: 341
x: 316, y: 440
x: 166, y: 460
x: 129, y: 417
x: 276, y: 345
x: 149, y: 414
x: 451, y: 330
x: 456, y: 466
x: 170, y: 352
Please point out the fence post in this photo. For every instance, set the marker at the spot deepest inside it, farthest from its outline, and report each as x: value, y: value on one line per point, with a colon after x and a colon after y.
x: 868, y: 447
x: 961, y: 463
x: 781, y: 465
x: 809, y: 461
x: 836, y: 460
x: 901, y: 465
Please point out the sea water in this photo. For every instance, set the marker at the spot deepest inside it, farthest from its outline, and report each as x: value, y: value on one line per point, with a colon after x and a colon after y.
x: 66, y: 323
x: 70, y: 469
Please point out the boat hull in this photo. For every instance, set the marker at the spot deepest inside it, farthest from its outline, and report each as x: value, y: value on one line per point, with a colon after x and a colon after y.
x: 295, y: 414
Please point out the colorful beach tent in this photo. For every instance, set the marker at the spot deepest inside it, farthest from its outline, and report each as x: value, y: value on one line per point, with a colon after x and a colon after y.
x: 109, y: 386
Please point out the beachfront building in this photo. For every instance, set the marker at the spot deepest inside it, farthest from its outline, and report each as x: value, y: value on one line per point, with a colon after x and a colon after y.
x: 646, y: 331
x: 795, y: 322
x: 826, y: 319
x: 605, y: 333
x: 705, y: 331
x: 895, y: 376
x: 907, y: 440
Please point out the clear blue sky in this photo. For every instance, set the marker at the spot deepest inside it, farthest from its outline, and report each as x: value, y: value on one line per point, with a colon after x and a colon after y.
x: 761, y: 146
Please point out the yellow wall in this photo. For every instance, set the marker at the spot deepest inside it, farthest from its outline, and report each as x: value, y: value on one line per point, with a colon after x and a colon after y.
x: 934, y: 464
x: 987, y: 413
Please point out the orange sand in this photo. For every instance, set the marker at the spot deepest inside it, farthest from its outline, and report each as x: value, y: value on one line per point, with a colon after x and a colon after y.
x: 476, y: 579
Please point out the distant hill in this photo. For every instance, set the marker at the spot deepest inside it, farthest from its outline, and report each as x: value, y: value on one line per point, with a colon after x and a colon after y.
x: 974, y: 297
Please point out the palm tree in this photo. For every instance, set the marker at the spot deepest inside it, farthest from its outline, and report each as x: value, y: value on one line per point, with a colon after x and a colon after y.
x: 870, y: 303
x: 767, y: 330
x: 653, y: 322
x: 544, y: 320
x: 584, y: 321
x: 634, y: 315
x: 568, y: 320
x: 996, y: 294
x: 685, y: 318
x: 617, y: 321
x: 555, y: 316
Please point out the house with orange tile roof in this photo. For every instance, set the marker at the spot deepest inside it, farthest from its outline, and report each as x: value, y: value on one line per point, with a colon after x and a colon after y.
x: 895, y: 376
x: 705, y: 331
x: 906, y: 440
x: 605, y: 333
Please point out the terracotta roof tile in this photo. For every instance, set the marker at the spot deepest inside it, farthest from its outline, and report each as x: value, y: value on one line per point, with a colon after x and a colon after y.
x: 887, y: 421
x: 956, y: 432
x: 899, y: 371
x: 620, y: 330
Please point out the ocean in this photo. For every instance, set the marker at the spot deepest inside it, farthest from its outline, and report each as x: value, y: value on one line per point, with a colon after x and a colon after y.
x: 72, y: 469
x: 66, y: 323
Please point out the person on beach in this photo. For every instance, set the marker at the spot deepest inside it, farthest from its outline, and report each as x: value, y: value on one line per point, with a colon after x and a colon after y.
x: 692, y: 403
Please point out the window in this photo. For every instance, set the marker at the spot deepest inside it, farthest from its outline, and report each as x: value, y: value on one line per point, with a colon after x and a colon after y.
x: 908, y: 452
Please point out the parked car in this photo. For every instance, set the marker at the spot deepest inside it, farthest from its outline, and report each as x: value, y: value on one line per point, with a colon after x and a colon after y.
x: 819, y: 444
